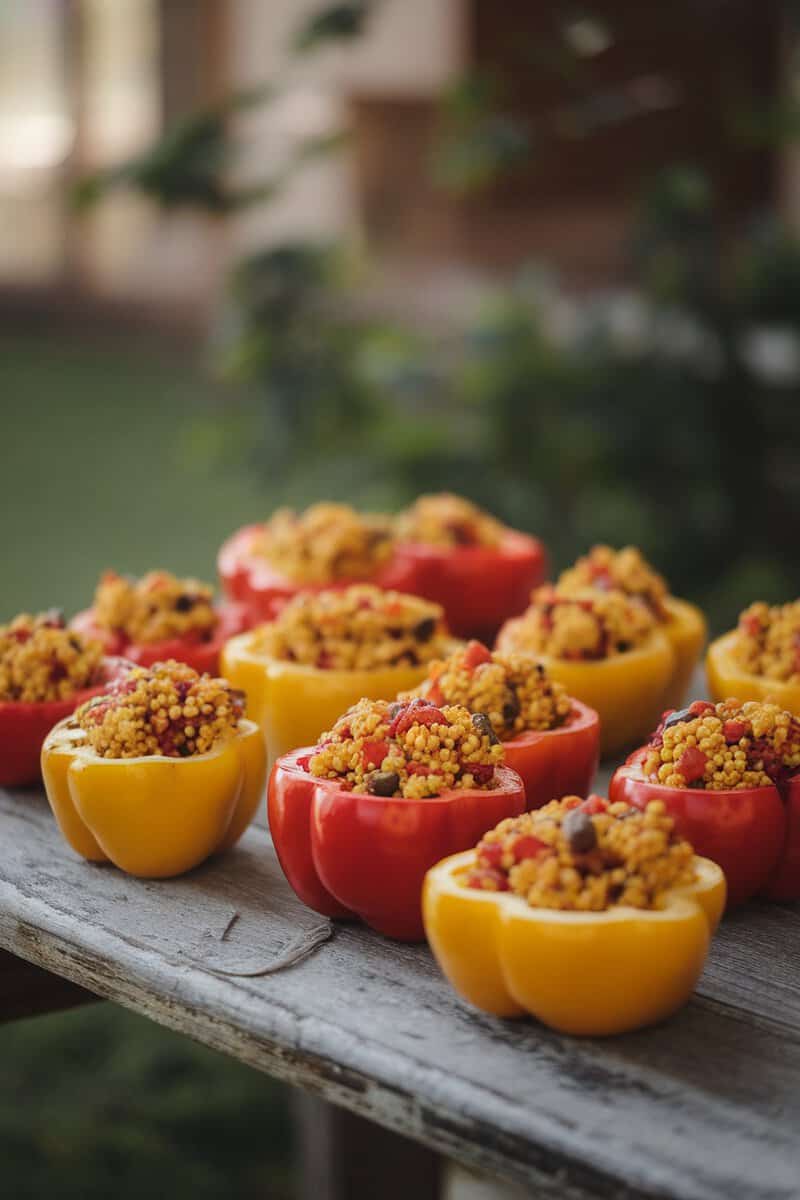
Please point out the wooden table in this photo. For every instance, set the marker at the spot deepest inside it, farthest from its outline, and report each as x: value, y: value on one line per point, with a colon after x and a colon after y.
x: 705, y: 1107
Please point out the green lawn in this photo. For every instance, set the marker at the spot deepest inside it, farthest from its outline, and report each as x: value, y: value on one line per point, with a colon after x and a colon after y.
x: 105, y: 461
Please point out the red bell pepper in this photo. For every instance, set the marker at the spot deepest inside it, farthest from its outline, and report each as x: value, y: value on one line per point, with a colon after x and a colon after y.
x: 557, y: 762
x: 353, y: 854
x: 248, y: 577
x: 479, y: 587
x: 752, y: 833
x: 202, y: 654
x: 25, y: 725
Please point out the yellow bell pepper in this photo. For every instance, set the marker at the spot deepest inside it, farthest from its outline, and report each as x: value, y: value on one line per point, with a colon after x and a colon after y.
x: 293, y: 703
x: 591, y: 973
x: 686, y: 632
x: 726, y: 678
x: 626, y: 690
x: 153, y: 816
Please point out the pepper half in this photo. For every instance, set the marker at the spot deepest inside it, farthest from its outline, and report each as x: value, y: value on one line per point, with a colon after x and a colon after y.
x: 591, y: 973
x: 479, y: 587
x: 626, y: 690
x: 153, y: 816
x: 201, y: 654
x: 557, y: 762
x: 294, y: 703
x: 354, y: 854
x: 753, y: 833
x: 727, y: 678
x: 25, y: 725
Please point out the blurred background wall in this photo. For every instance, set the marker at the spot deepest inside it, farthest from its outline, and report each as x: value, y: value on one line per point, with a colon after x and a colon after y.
x: 266, y: 251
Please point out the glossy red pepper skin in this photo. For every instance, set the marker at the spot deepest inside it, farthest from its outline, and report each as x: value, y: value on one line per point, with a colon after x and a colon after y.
x: 24, y: 726
x: 479, y: 587
x: 752, y: 833
x: 353, y: 854
x: 202, y: 655
x: 557, y: 762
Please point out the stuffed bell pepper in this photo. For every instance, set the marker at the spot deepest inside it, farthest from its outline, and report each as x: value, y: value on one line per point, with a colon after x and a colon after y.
x: 157, y: 773
x: 326, y: 651
x: 549, y: 739
x: 160, y: 617
x: 479, y: 570
x: 359, y: 818
x: 729, y: 776
x: 327, y: 546
x: 628, y: 571
x: 594, y: 918
x: 46, y: 671
x: 760, y: 659
x: 606, y: 649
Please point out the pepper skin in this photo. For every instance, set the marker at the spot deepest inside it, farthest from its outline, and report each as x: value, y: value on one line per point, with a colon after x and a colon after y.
x: 726, y: 678
x: 294, y: 704
x: 479, y: 587
x: 201, y: 655
x: 557, y: 762
x: 686, y: 631
x: 248, y: 578
x: 154, y: 816
x: 753, y: 833
x: 24, y: 727
x: 589, y: 973
x: 626, y: 690
x: 354, y: 854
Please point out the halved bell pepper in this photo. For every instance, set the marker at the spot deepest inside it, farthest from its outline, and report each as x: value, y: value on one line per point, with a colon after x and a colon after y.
x: 202, y: 654
x: 24, y: 727
x: 294, y: 704
x: 753, y: 833
x: 686, y: 631
x: 727, y: 678
x: 153, y: 816
x: 557, y: 762
x: 353, y: 854
x: 626, y: 690
x: 591, y: 973
x: 479, y: 587
x: 249, y: 578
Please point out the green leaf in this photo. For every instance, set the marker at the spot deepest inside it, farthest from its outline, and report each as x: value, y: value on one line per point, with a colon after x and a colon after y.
x: 338, y: 22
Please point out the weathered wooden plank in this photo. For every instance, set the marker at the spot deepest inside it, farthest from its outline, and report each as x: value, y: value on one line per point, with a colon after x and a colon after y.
x: 28, y: 991
x: 705, y: 1107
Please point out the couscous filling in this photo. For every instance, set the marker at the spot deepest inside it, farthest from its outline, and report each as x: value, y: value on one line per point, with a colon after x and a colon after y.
x: 326, y: 543
x: 589, y: 624
x: 767, y: 641
x: 585, y: 856
x: 166, y: 709
x: 410, y: 749
x: 156, y: 607
x: 448, y: 521
x: 513, y: 691
x: 355, y: 628
x: 41, y: 660
x: 625, y: 570
x: 724, y: 746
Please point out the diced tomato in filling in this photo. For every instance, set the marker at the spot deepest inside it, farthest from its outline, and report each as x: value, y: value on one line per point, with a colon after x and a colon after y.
x: 418, y: 712
x: 416, y: 768
x: 698, y: 707
x: 374, y: 753
x: 304, y: 761
x: 480, y: 772
x: 593, y: 805
x: 734, y: 731
x: 692, y: 764
x: 480, y: 876
x: 491, y: 853
x: 751, y: 625
x: 527, y: 847
x: 475, y: 654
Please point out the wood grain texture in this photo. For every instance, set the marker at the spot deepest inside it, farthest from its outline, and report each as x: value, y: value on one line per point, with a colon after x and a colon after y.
x: 705, y: 1107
